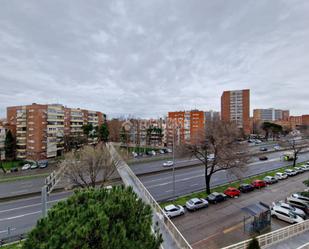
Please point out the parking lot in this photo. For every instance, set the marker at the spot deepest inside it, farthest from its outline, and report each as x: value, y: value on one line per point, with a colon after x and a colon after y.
x: 222, y: 224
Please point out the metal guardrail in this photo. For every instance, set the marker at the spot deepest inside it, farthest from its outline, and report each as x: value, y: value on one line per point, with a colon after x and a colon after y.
x: 269, y: 239
x: 11, y: 239
x: 166, y: 225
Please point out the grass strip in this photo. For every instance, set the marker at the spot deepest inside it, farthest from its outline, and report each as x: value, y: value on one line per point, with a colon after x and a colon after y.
x: 18, y: 178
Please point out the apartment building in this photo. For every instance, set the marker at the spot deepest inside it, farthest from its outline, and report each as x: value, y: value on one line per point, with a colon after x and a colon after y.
x: 40, y: 129
x: 146, y: 132
x: 270, y: 114
x: 184, y: 126
x: 235, y: 107
x: 2, y: 141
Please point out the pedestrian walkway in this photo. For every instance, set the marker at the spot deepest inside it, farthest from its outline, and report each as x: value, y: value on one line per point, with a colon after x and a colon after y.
x: 292, y: 243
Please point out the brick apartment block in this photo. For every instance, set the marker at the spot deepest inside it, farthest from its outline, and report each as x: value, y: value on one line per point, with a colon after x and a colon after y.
x: 40, y: 129
x: 2, y: 139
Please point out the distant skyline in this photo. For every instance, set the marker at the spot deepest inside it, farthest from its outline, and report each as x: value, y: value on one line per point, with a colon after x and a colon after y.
x: 145, y: 58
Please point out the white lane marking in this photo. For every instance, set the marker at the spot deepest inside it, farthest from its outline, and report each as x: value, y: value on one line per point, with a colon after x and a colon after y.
x: 169, y: 182
x: 19, y: 191
x: 194, y: 185
x: 170, y: 190
x: 27, y: 206
x: 5, y: 231
x: 19, y: 216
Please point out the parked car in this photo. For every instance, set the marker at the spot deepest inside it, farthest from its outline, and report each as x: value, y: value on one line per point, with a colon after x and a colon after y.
x: 259, y: 184
x: 270, y: 179
x: 43, y: 164
x: 244, y: 188
x: 34, y: 166
x: 299, y: 170
x: 305, y: 167
x: 26, y: 167
x: 277, y: 147
x: 161, y: 152
x: 263, y: 149
x: 300, y: 197
x: 263, y: 158
x: 216, y: 197
x: 14, y: 169
x: 285, y: 215
x: 168, y: 164
x: 174, y: 210
x: 134, y: 154
x: 290, y: 172
x: 232, y: 192
x: 287, y: 206
x: 294, y: 202
x: 257, y: 141
x: 281, y: 176
x: 196, y: 203
x: 169, y: 150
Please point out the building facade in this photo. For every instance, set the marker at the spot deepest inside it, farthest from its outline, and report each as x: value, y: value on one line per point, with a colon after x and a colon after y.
x: 270, y: 114
x: 40, y: 129
x: 2, y: 141
x: 235, y: 107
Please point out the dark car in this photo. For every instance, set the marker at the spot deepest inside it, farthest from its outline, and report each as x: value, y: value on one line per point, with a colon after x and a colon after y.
x: 245, y: 188
x: 263, y: 149
x: 263, y: 158
x: 14, y: 169
x: 216, y: 197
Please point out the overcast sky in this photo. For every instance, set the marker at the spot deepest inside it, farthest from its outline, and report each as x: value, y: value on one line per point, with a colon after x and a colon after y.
x: 148, y: 57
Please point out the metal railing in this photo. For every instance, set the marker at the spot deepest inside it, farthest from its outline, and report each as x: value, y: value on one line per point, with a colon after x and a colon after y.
x: 269, y: 239
x: 172, y: 238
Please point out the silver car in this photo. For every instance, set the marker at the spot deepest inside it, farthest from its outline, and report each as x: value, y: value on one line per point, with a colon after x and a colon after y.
x: 196, y: 203
x: 174, y: 210
x: 294, y: 210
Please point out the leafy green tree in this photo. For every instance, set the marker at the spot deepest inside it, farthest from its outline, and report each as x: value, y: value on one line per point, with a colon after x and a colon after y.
x: 254, y: 244
x: 87, y: 129
x: 10, y: 146
x: 103, y: 133
x: 95, y: 219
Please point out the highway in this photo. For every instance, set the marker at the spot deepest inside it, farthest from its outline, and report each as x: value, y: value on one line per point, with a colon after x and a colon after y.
x: 21, y: 215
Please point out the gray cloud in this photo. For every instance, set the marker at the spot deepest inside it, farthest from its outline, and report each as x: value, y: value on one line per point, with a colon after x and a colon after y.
x: 149, y: 57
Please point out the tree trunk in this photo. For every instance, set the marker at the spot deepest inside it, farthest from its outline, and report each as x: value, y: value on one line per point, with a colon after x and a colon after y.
x: 295, y: 159
x: 207, y: 182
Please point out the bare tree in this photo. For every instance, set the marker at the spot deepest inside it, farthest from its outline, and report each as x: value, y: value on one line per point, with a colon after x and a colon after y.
x: 295, y: 144
x: 89, y: 166
x: 114, y: 127
x: 217, y: 148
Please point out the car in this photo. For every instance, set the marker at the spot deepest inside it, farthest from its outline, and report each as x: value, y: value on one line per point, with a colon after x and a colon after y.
x: 294, y: 210
x: 169, y: 150
x: 263, y: 149
x: 196, y: 203
x: 290, y: 172
x: 285, y: 215
x: 245, y: 188
x: 259, y: 184
x: 298, y: 204
x: 305, y: 167
x: 153, y: 152
x: 216, y: 197
x: 211, y: 157
x: 281, y: 176
x: 34, y: 166
x: 168, y: 164
x: 270, y: 179
x: 43, y: 164
x: 161, y: 152
x: 232, y: 192
x: 300, y: 197
x: 299, y: 170
x: 257, y: 141
x: 14, y: 169
x: 263, y: 158
x: 134, y: 154
x: 26, y: 166
x: 277, y: 147
x: 173, y: 210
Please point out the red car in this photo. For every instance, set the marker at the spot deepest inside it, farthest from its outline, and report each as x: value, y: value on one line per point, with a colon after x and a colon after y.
x: 232, y: 192
x: 259, y: 184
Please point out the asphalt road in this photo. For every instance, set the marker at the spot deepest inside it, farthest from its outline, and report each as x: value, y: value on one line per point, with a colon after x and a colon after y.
x: 21, y: 215
x: 188, y: 180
